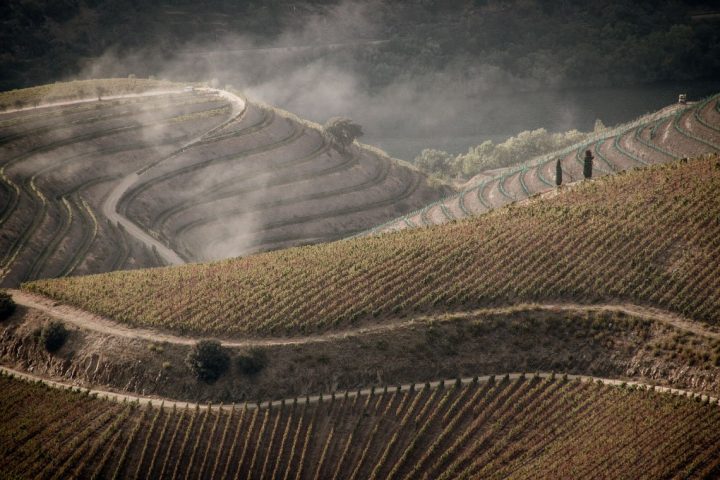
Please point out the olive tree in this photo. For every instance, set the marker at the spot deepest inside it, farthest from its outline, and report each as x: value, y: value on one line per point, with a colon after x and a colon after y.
x: 342, y: 132
x: 208, y: 360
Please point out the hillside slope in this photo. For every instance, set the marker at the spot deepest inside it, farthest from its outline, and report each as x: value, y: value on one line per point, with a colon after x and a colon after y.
x: 672, y: 133
x: 647, y: 237
x: 216, y: 176
x: 524, y: 428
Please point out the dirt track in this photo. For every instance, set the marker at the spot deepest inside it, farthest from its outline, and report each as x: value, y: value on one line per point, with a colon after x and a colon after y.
x: 109, y: 207
x: 166, y: 403
x: 90, y: 321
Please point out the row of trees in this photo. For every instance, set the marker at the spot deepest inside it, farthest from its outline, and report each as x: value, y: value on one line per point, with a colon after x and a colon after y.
x: 587, y: 168
x: 488, y: 156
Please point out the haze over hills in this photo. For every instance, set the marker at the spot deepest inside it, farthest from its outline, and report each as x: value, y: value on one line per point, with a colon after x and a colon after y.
x: 415, y: 73
x: 675, y: 132
x: 217, y: 176
x: 197, y: 283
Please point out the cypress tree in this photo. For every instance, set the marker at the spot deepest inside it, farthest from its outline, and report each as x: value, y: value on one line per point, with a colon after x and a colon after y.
x: 588, y: 164
x: 558, y: 173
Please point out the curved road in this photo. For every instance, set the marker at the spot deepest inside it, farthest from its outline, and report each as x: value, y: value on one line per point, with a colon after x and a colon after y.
x: 168, y: 403
x: 150, y: 93
x: 109, y: 207
x: 85, y: 320
x: 89, y: 321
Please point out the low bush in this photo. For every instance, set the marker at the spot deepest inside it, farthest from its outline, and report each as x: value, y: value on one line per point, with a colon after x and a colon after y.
x: 208, y: 360
x: 53, y: 336
x: 253, y: 362
x: 7, y: 305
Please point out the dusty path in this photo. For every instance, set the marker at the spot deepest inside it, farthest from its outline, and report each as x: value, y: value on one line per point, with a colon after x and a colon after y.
x: 109, y: 207
x: 63, y: 103
x: 89, y: 321
x: 169, y: 403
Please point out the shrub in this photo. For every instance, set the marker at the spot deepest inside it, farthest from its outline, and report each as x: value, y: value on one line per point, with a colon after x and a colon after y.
x: 436, y: 162
x: 7, y: 305
x: 253, y: 362
x: 53, y: 336
x: 208, y: 360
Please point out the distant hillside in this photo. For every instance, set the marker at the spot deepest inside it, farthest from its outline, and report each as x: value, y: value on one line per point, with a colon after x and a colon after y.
x: 670, y: 134
x: 268, y: 180
x: 155, y: 169
x: 648, y: 237
x: 534, y: 43
x: 525, y: 428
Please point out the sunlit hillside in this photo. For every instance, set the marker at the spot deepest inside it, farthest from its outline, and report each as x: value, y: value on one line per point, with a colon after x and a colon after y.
x: 646, y: 237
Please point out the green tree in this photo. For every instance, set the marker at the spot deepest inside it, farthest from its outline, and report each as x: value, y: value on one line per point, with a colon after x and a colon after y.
x: 435, y: 162
x: 558, y: 173
x: 342, y: 132
x: 208, y: 360
x: 588, y: 164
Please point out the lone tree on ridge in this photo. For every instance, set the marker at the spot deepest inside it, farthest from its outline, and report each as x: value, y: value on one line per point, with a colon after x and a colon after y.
x: 588, y: 164
x: 342, y: 132
x: 558, y: 173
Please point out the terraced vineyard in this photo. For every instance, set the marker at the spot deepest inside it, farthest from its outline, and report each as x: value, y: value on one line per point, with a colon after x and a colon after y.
x: 648, y: 237
x: 58, y: 163
x: 524, y: 428
x: 664, y: 136
x: 248, y: 178
x: 268, y: 181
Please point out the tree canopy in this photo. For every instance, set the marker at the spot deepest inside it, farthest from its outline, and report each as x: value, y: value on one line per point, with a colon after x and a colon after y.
x: 342, y: 131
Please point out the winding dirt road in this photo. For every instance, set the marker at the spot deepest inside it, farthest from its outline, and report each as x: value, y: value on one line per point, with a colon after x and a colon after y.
x: 151, y: 93
x: 109, y: 207
x: 169, y: 404
x: 89, y: 321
